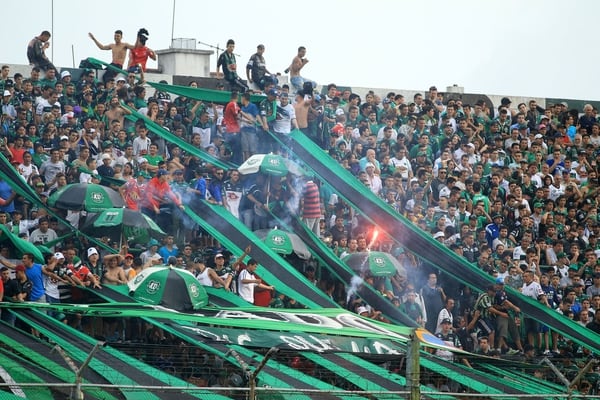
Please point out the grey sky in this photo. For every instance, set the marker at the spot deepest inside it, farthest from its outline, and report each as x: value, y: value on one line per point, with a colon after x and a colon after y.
x: 543, y: 48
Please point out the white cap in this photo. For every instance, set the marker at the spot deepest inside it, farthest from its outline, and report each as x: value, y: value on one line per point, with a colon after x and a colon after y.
x: 105, y: 156
x: 6, y: 93
x: 64, y: 74
x: 59, y: 256
x: 64, y: 137
x: 91, y: 251
x: 438, y: 235
x: 361, y: 309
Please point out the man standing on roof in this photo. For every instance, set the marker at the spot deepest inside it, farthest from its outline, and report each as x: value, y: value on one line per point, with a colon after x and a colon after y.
x: 36, y: 51
x: 139, y: 54
x: 256, y: 69
x: 298, y: 62
x: 119, y: 51
x: 228, y: 64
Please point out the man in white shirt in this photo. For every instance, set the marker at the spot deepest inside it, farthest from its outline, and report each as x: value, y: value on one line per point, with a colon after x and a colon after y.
x: 532, y: 289
x: 247, y: 282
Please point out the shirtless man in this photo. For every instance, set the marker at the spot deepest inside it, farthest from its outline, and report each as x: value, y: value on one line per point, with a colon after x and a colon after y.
x: 114, y: 273
x: 119, y: 51
x: 297, y: 64
x: 115, y: 111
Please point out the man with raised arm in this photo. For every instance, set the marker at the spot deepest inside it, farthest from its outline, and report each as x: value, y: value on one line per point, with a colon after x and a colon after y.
x: 119, y: 51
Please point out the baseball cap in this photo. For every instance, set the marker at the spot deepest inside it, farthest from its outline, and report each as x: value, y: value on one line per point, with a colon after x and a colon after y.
x: 6, y: 93
x: 361, y: 309
x: 129, y: 255
x: 438, y: 235
x: 446, y: 321
x: 59, y: 256
x: 162, y: 172
x: 273, y: 92
x: 500, y: 281
x: 91, y: 251
x: 64, y: 138
x: 20, y: 267
x: 218, y: 255
x: 64, y: 74
x: 153, y: 242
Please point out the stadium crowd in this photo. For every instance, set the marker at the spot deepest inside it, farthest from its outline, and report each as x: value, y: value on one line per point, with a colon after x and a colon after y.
x: 512, y: 189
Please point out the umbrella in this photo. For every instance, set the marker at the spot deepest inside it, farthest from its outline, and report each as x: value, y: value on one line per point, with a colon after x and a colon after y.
x: 283, y: 242
x: 271, y: 164
x: 169, y: 287
x: 377, y: 263
x: 118, y: 223
x: 85, y: 196
x: 21, y: 245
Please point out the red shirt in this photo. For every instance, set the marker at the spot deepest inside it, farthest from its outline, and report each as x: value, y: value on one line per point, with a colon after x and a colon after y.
x: 82, y: 273
x: 139, y: 55
x: 262, y: 297
x: 230, y: 117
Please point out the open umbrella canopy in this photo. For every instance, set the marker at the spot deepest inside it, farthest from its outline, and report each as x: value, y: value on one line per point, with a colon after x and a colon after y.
x: 270, y: 164
x: 375, y: 263
x: 85, y: 196
x: 283, y: 242
x: 116, y: 222
x: 21, y: 245
x: 169, y: 287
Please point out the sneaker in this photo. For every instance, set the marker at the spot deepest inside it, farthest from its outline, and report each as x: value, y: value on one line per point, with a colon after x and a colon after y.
x: 512, y: 352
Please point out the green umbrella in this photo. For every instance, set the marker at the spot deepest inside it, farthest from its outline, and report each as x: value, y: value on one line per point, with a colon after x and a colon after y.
x: 85, y: 196
x: 169, y: 287
x: 270, y: 164
x: 283, y: 242
x: 122, y: 223
x: 21, y: 245
x: 376, y: 263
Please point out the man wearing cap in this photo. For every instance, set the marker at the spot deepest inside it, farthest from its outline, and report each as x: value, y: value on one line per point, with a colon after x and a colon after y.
x: 450, y: 339
x: 224, y: 271
x: 56, y: 274
x: 9, y: 112
x: 151, y: 257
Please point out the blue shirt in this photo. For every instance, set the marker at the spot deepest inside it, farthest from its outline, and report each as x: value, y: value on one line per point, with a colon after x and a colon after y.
x: 5, y: 193
x: 34, y: 274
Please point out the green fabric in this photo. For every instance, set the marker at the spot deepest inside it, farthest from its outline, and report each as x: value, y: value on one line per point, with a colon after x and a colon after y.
x: 207, y: 95
x: 22, y: 245
x: 264, y: 273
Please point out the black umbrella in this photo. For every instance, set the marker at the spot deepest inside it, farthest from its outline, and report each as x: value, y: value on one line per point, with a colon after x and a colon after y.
x: 85, y: 196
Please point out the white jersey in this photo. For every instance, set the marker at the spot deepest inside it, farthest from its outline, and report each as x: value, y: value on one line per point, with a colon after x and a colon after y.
x: 246, y: 290
x: 204, y: 278
x: 533, y: 290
